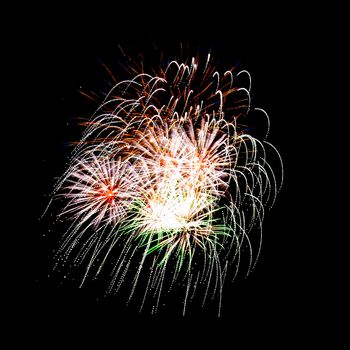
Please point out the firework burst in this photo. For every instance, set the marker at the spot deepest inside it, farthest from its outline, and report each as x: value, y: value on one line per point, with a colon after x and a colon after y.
x: 166, y: 169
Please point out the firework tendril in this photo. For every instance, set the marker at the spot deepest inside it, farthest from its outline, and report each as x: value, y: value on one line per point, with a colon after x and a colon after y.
x: 167, y: 175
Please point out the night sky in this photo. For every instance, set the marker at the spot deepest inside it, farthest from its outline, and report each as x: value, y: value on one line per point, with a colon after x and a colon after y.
x: 63, y: 54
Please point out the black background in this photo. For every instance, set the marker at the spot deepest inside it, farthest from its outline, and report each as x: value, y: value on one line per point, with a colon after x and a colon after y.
x: 61, y: 51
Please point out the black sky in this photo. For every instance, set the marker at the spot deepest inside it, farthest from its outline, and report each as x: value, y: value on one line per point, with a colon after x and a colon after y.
x: 63, y: 53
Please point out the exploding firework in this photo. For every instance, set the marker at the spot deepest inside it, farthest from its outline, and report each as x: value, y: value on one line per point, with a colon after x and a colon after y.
x: 167, y: 174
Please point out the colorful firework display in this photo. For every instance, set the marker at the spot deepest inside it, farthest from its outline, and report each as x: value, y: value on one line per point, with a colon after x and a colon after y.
x: 167, y: 183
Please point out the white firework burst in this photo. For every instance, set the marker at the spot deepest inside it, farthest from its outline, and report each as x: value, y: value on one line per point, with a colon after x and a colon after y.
x: 165, y: 167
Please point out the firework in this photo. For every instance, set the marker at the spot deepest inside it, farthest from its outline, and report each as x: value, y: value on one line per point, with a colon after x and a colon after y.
x: 166, y: 169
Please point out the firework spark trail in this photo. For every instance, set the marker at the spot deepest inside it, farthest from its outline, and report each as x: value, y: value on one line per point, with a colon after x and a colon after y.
x: 165, y: 168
